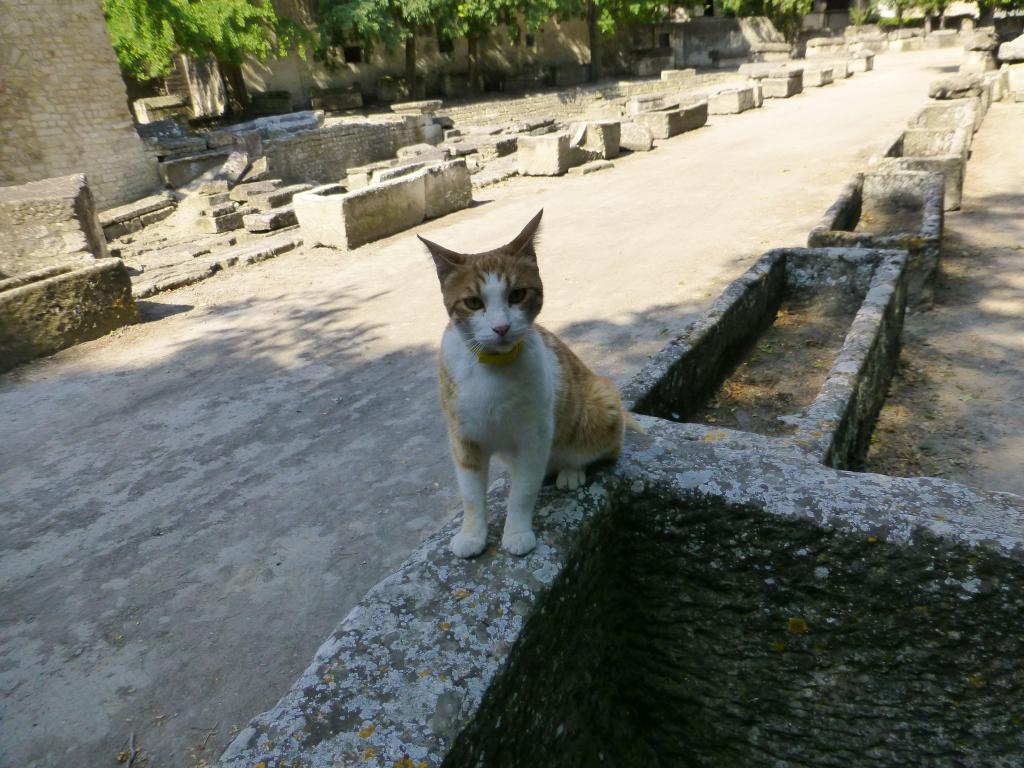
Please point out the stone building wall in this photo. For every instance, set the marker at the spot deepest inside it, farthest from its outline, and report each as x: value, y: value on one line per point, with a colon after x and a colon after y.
x: 326, y: 154
x: 63, y: 104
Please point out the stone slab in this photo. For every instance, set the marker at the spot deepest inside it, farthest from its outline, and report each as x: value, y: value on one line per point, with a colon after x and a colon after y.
x: 268, y: 221
x: 241, y: 192
x: 591, y: 167
x: 603, y: 137
x: 275, y: 198
x: 816, y: 77
x: 782, y: 86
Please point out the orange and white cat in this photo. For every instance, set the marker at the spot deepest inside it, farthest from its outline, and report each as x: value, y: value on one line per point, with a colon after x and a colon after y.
x: 512, y: 389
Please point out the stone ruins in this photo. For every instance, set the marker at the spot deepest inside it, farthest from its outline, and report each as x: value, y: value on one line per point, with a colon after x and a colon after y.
x: 717, y: 575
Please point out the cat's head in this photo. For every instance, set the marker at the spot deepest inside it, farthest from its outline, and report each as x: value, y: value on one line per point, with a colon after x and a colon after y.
x: 492, y: 297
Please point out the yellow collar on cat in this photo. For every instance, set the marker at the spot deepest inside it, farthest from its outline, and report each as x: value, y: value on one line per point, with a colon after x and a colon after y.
x: 500, y: 358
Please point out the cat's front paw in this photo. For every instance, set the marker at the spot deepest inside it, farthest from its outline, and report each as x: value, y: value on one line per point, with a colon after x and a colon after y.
x: 469, y: 543
x: 519, y: 543
x: 571, y: 478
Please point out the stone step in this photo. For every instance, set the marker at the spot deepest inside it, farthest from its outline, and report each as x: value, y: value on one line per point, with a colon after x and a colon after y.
x: 268, y: 221
x: 265, y: 201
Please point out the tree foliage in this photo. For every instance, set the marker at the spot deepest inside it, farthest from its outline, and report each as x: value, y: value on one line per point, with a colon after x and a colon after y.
x: 786, y: 15
x: 147, y: 33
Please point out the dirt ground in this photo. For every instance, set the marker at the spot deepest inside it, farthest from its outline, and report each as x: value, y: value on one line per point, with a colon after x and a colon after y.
x: 191, y: 505
x: 956, y: 406
x: 783, y: 371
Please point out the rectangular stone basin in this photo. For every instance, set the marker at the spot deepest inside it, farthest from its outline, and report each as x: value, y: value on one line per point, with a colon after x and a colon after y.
x: 939, y: 150
x: 801, y: 348
x: 900, y: 210
x: 696, y: 606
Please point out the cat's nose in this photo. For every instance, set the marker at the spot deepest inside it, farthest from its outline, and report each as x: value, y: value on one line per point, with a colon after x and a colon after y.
x: 501, y: 330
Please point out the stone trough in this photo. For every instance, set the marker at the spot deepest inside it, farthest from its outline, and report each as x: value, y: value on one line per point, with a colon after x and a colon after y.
x: 334, y: 216
x: 696, y: 605
x: 901, y: 210
x: 47, y: 310
x: 672, y: 120
x: 750, y: 351
x: 941, y: 150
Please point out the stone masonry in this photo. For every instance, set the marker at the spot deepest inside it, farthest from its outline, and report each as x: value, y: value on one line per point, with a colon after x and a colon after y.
x: 63, y: 105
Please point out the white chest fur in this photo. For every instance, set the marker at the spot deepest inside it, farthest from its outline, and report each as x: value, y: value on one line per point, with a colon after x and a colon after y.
x: 503, y: 407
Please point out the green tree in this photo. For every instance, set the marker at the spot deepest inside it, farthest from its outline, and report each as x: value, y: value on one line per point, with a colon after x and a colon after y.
x: 147, y: 33
x: 605, y: 17
x: 786, y: 15
x: 369, y: 23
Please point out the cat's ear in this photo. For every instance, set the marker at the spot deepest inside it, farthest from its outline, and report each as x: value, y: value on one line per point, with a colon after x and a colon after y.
x: 525, y: 240
x: 445, y: 261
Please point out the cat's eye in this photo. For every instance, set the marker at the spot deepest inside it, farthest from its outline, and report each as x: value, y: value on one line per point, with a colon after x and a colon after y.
x: 473, y: 303
x: 517, y: 295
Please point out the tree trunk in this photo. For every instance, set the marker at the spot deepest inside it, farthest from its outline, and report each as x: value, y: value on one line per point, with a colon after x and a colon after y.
x: 594, y: 37
x: 473, y: 46
x: 986, y: 14
x: 234, y: 86
x: 410, y: 65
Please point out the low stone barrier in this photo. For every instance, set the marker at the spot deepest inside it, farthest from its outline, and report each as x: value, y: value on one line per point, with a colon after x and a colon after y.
x: 862, y: 61
x: 781, y: 84
x: 832, y: 427
x: 627, y: 637
x: 890, y: 210
x: 44, y: 311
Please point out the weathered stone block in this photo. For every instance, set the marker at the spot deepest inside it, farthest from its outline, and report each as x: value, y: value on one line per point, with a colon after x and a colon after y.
x: 1012, y: 52
x: 223, y: 222
x: 421, y: 152
x: 546, y: 155
x: 329, y: 216
x: 155, y: 108
x: 1015, y: 81
x: 955, y: 87
x: 677, y: 75
x: 241, y: 193
x: 180, y: 171
x: 645, y: 103
x: 941, y: 38
x: 816, y: 77
x: 782, y: 84
x: 825, y: 47
x: 635, y: 138
x: 603, y: 137
x: 267, y: 221
x: 948, y: 115
x: 447, y: 188
x: 47, y: 310
x: 275, y: 198
x: 426, y: 107
x: 900, y: 211
x: 906, y: 44
x: 862, y: 61
x: 731, y: 101
x: 978, y: 62
x: 48, y: 223
x: 841, y: 69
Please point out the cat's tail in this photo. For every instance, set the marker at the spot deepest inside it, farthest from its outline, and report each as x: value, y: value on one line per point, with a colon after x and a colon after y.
x: 633, y: 423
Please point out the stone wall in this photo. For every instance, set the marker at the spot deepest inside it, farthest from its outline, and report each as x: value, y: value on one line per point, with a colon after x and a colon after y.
x: 572, y: 103
x: 326, y: 154
x: 63, y: 103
